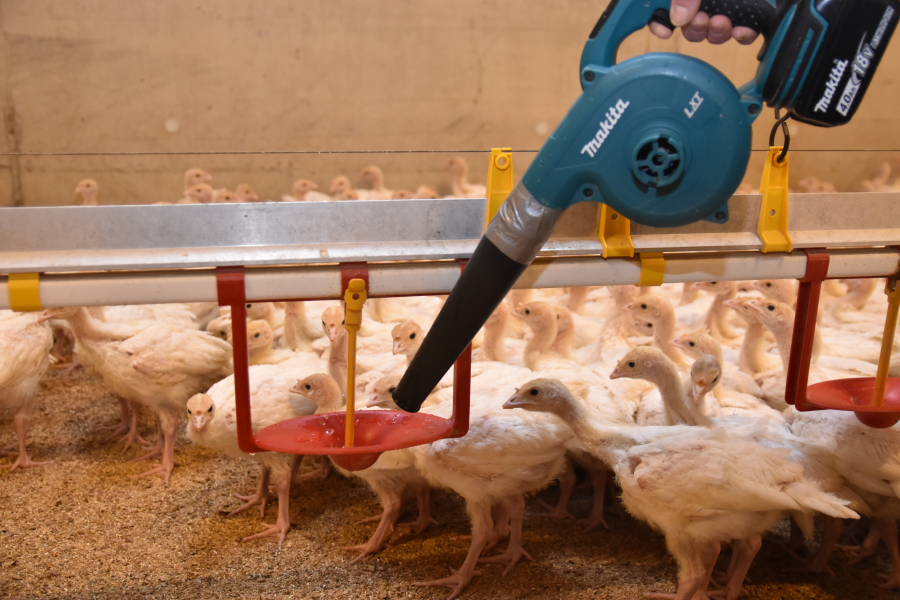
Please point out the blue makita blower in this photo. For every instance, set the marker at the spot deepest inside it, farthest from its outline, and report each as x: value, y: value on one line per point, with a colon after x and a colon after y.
x: 663, y: 139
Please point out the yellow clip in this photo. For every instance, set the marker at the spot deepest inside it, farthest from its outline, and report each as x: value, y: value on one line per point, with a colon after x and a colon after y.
x: 24, y: 295
x: 615, y: 233
x: 773, y: 212
x: 653, y: 269
x: 499, y: 181
x: 892, y: 289
x: 354, y: 298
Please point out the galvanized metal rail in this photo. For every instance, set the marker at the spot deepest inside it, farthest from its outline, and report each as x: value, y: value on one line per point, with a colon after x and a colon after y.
x: 159, y: 254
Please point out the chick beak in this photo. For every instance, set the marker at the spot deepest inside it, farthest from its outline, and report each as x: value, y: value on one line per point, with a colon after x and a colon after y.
x: 615, y: 374
x: 45, y: 316
x: 513, y: 402
x: 374, y: 402
x: 199, y: 422
x: 699, y: 391
x: 629, y: 307
x: 398, y: 348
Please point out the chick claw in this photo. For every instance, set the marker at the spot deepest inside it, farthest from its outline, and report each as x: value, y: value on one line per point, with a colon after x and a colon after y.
x: 456, y: 582
x: 557, y: 512
x: 279, y: 530
x: 161, y: 470
x: 420, y: 524
x: 24, y: 462
x: 510, y: 558
x: 258, y: 499
x: 365, y: 550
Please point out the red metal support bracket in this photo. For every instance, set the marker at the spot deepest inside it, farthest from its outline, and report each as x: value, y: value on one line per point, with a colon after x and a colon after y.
x: 804, y: 335
x: 462, y: 386
x: 354, y: 270
x: 232, y: 292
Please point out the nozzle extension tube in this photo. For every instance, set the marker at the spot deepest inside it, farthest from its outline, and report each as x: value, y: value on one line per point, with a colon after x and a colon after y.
x: 511, y: 242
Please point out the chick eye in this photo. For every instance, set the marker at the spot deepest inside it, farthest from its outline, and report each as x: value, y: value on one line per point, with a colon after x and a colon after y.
x: 715, y: 380
x: 309, y: 387
x: 210, y: 409
x: 771, y: 307
x: 649, y: 325
x: 713, y: 282
x: 412, y: 336
x: 691, y: 344
x: 392, y: 390
x: 769, y: 284
x: 343, y: 322
x: 631, y: 364
x: 256, y: 335
x: 533, y: 392
x: 189, y: 412
x: 249, y: 305
x: 644, y: 306
x: 527, y: 312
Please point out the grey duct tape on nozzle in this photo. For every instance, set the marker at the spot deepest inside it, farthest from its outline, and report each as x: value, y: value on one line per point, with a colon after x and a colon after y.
x: 512, y: 241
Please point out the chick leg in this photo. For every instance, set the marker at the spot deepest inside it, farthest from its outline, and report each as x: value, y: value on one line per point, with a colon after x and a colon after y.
x: 599, y: 479
x: 21, y: 422
x: 133, y: 437
x: 695, y: 566
x: 122, y: 426
x: 515, y: 551
x: 887, y: 528
x: 423, y: 498
x: 743, y: 553
x: 283, y: 522
x: 158, y: 448
x: 167, y: 431
x: 868, y: 548
x: 260, y: 498
x: 321, y: 473
x: 480, y: 514
x: 831, y: 531
x: 566, y: 486
x: 392, y: 503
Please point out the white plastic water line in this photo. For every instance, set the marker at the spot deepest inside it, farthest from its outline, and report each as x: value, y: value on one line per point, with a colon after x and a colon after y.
x: 320, y: 282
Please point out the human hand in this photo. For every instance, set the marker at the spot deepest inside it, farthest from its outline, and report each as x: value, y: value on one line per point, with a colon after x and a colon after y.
x: 698, y: 26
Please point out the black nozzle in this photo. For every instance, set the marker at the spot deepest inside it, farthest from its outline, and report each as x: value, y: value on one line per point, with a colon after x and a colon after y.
x: 482, y: 286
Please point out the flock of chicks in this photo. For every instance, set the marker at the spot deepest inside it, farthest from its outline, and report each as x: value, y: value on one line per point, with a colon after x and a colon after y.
x: 197, y: 189
x: 678, y: 393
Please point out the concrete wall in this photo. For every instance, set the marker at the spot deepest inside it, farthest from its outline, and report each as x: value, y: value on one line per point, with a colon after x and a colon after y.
x: 283, y: 75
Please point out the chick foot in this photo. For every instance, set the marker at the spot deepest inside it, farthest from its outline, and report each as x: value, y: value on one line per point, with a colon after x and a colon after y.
x: 456, y: 582
x: 513, y: 554
x: 260, y: 498
x: 257, y: 499
x: 163, y: 470
x: 25, y: 462
x: 560, y: 511
x: 367, y: 549
x: 419, y: 525
x: 320, y: 474
x: 278, y: 530
x: 593, y: 522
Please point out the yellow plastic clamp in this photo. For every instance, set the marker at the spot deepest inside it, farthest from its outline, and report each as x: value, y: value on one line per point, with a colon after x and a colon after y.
x: 499, y: 180
x: 615, y: 234
x: 773, y: 212
x: 24, y: 295
x: 892, y: 289
x: 354, y: 298
x: 653, y: 269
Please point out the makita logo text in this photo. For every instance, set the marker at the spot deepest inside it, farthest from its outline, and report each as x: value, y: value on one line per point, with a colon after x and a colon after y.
x: 837, y: 73
x: 606, y: 126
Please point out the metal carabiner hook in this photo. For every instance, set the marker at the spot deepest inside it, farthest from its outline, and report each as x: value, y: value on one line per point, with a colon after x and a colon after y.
x: 784, y: 130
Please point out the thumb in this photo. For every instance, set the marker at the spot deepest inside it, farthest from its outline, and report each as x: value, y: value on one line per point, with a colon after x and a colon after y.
x: 683, y: 11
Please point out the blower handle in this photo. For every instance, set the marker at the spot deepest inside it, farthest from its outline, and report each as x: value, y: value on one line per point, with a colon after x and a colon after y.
x: 759, y: 15
x: 624, y: 17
